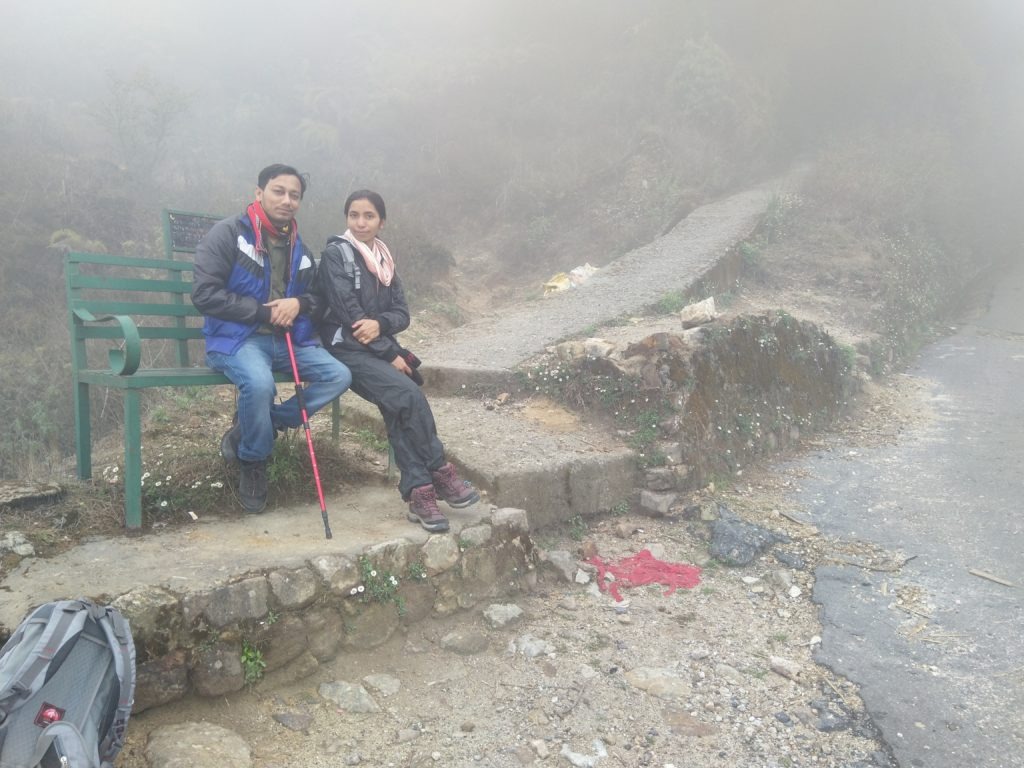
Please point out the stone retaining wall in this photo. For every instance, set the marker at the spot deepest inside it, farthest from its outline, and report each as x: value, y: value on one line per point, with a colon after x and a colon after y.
x: 722, y: 395
x: 291, y: 620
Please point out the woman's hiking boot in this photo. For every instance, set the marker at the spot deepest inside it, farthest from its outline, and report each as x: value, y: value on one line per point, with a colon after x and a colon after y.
x: 452, y: 489
x: 252, y: 486
x: 423, y: 510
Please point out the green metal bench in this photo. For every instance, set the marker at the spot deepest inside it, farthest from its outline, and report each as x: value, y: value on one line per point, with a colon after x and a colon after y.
x: 128, y: 301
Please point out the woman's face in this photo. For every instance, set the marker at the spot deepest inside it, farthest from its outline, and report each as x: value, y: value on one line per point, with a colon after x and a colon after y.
x: 364, y: 221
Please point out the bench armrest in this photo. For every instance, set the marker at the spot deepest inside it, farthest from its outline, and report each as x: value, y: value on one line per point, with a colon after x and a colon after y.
x: 124, y: 361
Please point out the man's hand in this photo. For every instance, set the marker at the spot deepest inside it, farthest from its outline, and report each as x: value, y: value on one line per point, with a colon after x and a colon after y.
x: 283, y: 312
x: 366, y: 330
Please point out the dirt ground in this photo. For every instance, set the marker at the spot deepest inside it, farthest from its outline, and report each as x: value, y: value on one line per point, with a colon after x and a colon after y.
x: 720, y: 674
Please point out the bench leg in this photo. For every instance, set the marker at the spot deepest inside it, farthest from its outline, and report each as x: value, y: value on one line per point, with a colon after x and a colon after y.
x: 132, y: 460
x: 83, y: 437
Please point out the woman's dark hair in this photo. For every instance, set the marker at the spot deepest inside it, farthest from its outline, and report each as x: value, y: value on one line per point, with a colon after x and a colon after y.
x: 365, y: 194
x: 277, y: 169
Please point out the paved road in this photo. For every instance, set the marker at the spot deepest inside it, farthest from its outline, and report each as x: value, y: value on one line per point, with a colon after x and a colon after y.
x: 945, y: 684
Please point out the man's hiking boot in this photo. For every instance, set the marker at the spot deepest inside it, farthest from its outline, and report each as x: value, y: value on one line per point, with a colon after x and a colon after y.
x: 453, y: 490
x: 252, y: 486
x: 229, y: 443
x: 423, y: 510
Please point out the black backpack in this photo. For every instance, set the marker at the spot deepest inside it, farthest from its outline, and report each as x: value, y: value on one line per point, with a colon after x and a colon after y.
x: 67, y: 681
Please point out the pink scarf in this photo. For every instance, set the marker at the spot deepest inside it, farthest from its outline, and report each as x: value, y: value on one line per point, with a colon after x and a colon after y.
x: 378, y: 258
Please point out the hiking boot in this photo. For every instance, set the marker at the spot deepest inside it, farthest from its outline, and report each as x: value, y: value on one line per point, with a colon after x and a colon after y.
x: 423, y: 509
x: 252, y: 486
x: 453, y: 490
x: 231, y: 440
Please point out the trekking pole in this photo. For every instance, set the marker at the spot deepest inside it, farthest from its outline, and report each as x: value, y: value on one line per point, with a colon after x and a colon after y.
x: 309, y: 437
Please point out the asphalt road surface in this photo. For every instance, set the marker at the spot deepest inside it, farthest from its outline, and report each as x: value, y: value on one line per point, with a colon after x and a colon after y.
x: 938, y: 650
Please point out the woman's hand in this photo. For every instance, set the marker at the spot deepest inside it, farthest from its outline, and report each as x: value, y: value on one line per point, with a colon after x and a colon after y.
x: 401, y: 365
x: 366, y: 330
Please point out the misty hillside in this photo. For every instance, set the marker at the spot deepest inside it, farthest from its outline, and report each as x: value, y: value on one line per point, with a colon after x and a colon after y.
x: 511, y: 140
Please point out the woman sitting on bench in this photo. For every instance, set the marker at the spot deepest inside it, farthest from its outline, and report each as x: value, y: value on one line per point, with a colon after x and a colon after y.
x: 366, y: 308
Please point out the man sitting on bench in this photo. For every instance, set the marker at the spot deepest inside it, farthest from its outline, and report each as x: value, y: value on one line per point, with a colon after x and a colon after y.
x: 253, y: 282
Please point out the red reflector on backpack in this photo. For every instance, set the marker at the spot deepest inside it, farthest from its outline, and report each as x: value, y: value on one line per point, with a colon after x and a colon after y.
x: 48, y: 714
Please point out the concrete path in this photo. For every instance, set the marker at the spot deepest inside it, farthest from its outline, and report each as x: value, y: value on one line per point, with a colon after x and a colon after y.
x: 627, y: 286
x: 941, y: 674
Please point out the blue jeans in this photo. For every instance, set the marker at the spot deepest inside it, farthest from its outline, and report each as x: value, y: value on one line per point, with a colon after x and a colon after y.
x: 251, y: 368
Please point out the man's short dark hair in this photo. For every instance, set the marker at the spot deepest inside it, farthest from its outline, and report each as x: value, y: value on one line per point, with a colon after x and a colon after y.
x: 278, y: 169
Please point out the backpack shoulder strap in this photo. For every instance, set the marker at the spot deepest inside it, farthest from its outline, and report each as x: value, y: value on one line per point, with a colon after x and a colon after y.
x: 348, y: 259
x: 119, y: 637
x: 59, y: 621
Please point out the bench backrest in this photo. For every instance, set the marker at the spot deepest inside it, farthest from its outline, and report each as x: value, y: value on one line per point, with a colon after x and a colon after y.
x: 156, y: 293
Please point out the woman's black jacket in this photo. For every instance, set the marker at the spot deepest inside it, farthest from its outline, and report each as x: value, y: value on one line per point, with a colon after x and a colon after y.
x: 341, y: 268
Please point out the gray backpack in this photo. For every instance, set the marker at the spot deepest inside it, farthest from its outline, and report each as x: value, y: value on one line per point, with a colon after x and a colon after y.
x: 67, y: 681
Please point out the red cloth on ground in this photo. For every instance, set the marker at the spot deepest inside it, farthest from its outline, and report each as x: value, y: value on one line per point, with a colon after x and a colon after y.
x: 644, y: 568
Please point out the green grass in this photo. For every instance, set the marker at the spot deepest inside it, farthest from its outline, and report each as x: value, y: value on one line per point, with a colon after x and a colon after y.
x: 451, y: 312
x: 417, y: 571
x: 287, y: 465
x: 849, y: 356
x: 253, y: 663
x: 378, y: 584
x: 369, y: 439
x: 672, y: 302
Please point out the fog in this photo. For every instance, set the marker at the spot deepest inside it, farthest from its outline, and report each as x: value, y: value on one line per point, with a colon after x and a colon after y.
x: 475, y: 112
x: 510, y: 139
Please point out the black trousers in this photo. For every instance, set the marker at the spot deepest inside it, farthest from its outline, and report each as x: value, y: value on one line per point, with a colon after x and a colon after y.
x: 407, y: 415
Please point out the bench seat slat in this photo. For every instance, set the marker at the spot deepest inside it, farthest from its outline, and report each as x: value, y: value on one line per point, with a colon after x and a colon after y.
x: 143, y: 284
x: 145, y: 332
x: 146, y: 378
x: 109, y: 307
x: 128, y: 261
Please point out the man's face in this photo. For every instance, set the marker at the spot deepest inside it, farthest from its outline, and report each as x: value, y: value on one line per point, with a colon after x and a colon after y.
x: 280, y: 199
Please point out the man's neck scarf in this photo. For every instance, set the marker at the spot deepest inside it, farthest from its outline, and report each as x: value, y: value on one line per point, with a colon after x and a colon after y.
x: 260, y: 224
x: 376, y: 255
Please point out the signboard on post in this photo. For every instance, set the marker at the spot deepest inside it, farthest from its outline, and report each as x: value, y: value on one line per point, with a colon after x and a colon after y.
x: 183, y: 230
